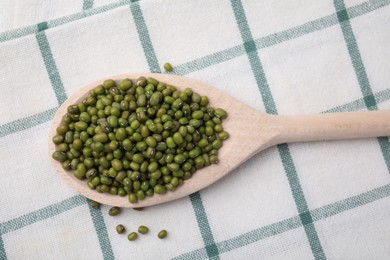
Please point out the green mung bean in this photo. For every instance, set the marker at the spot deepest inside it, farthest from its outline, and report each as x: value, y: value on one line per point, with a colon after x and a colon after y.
x: 168, y: 67
x: 162, y: 234
x: 132, y: 236
x: 114, y: 211
x: 143, y: 230
x: 120, y: 229
x: 94, y: 204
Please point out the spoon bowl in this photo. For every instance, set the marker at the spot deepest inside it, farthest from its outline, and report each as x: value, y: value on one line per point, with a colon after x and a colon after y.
x: 250, y: 132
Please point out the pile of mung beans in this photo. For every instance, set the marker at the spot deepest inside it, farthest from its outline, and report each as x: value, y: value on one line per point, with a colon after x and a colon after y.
x: 139, y: 138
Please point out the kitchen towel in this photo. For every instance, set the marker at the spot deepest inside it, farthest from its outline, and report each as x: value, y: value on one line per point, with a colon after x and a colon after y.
x: 319, y: 200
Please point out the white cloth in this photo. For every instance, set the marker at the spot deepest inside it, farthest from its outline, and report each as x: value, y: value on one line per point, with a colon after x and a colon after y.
x: 297, y: 201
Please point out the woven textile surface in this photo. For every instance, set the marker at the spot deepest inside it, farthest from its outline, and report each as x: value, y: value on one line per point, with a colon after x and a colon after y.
x: 318, y: 200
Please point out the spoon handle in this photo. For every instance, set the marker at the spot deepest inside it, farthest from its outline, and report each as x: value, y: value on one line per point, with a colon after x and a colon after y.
x: 332, y: 126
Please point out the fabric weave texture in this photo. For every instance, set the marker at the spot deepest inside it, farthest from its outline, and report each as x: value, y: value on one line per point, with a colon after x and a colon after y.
x: 319, y: 200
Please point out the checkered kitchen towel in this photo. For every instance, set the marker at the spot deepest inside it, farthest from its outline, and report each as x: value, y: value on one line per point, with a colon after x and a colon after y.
x: 322, y: 200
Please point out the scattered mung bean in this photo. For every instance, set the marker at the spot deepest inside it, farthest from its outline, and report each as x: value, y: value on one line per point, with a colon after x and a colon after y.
x: 120, y: 229
x: 162, y: 234
x: 132, y: 236
x: 143, y: 230
x: 168, y: 67
x: 114, y: 211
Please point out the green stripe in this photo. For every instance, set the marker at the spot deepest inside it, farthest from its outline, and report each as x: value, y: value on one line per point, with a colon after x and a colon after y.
x: 17, y: 33
x: 351, y: 203
x: 293, y: 179
x: 300, y: 201
x: 259, y: 234
x: 293, y: 223
x: 3, y: 255
x: 51, y: 67
x: 246, y: 238
x: 27, y: 122
x: 42, y: 26
x: 196, y: 254
x: 296, y: 31
x: 41, y: 214
x: 204, y: 226
x: 366, y: 7
x: 354, y: 53
x: 284, y: 152
x: 101, y: 231
x: 209, y: 60
x: 360, y: 71
x: 144, y: 37
x: 384, y: 144
x: 314, y: 240
x: 355, y: 105
x: 358, y: 104
x: 87, y: 4
x: 262, y: 83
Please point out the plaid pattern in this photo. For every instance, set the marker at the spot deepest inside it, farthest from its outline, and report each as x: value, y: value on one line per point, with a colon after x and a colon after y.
x: 319, y: 200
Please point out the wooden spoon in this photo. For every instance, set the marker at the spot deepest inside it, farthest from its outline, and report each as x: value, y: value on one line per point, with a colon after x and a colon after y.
x: 250, y: 132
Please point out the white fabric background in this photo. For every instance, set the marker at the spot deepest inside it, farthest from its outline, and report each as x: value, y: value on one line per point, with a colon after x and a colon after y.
x: 252, y: 213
